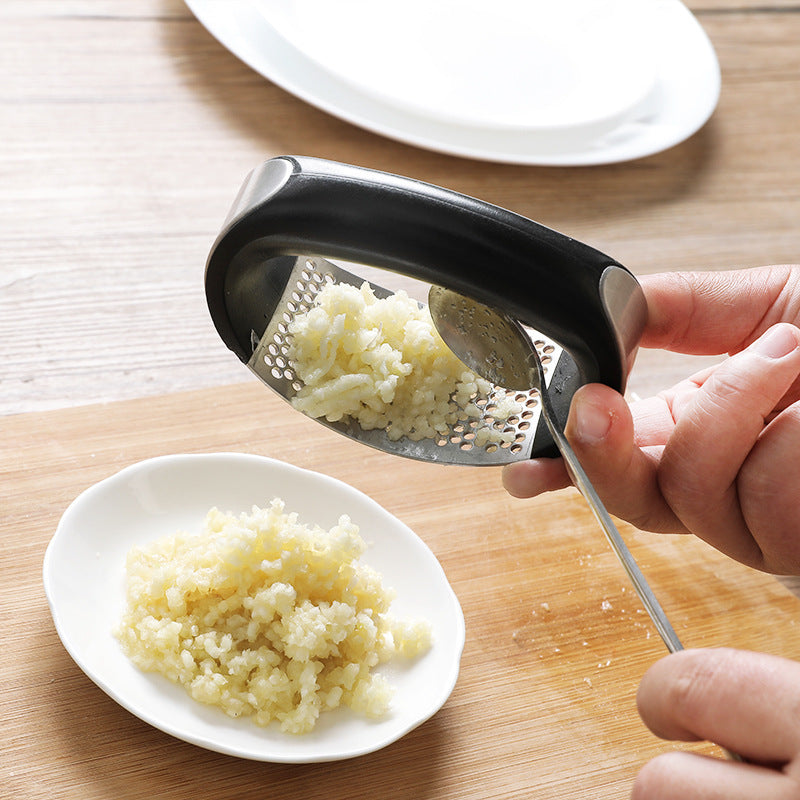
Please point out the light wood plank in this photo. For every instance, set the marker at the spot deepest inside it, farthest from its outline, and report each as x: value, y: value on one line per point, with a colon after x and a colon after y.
x: 128, y: 128
x: 126, y: 131
x: 556, y: 640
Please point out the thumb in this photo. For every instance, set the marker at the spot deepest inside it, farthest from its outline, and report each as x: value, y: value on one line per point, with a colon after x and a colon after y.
x: 600, y: 430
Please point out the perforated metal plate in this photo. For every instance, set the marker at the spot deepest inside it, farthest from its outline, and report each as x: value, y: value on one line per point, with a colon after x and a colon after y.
x: 271, y: 362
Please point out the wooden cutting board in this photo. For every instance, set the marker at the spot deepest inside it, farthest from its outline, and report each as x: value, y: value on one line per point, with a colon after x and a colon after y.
x: 556, y: 639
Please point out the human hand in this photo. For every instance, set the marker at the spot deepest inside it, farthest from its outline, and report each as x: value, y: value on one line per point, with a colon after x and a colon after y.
x: 745, y: 702
x: 716, y: 455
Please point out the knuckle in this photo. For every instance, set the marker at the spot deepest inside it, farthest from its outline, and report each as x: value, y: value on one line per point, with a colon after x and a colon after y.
x: 697, y: 686
x: 695, y: 494
x: 688, y: 693
x: 732, y: 390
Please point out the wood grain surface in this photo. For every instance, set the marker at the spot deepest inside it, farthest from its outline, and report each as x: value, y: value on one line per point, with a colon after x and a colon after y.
x: 556, y: 639
x: 126, y: 131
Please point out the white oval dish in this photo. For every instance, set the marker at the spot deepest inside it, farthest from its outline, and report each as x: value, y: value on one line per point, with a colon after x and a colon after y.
x: 84, y: 573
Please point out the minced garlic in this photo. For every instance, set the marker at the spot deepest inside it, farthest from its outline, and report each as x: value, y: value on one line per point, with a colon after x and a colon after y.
x: 266, y: 617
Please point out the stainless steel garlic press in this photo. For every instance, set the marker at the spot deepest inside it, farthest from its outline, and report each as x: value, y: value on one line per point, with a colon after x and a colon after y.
x: 294, y: 217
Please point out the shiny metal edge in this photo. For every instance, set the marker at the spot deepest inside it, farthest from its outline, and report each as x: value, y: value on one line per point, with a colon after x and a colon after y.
x: 626, y: 309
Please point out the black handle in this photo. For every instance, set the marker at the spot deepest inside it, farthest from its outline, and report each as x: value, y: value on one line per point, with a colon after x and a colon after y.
x: 295, y: 206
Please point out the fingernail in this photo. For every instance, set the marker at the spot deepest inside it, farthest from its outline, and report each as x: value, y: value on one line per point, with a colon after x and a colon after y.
x: 777, y: 342
x: 592, y: 423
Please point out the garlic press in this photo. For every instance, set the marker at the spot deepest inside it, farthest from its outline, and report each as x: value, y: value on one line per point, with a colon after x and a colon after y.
x: 300, y: 222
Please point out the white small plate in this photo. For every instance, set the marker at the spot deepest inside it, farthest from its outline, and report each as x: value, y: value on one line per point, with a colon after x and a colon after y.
x: 684, y: 93
x: 84, y: 573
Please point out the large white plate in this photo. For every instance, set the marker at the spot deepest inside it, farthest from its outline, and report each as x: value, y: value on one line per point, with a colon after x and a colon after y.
x: 575, y: 65
x: 684, y: 91
x: 84, y: 569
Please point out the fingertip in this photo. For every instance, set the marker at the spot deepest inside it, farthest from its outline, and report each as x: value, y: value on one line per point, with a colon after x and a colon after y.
x: 670, y: 686
x: 777, y: 342
x: 657, y: 778
x: 595, y: 415
x: 524, y: 479
x: 724, y: 695
x: 600, y: 430
x: 514, y: 482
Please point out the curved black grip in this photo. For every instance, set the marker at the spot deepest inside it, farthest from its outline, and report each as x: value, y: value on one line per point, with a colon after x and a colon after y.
x: 305, y: 206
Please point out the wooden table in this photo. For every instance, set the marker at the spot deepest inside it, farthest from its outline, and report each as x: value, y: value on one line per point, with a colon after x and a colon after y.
x: 126, y: 132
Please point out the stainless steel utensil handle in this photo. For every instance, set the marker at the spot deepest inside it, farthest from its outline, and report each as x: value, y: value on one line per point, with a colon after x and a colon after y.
x: 584, y: 485
x: 640, y: 584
